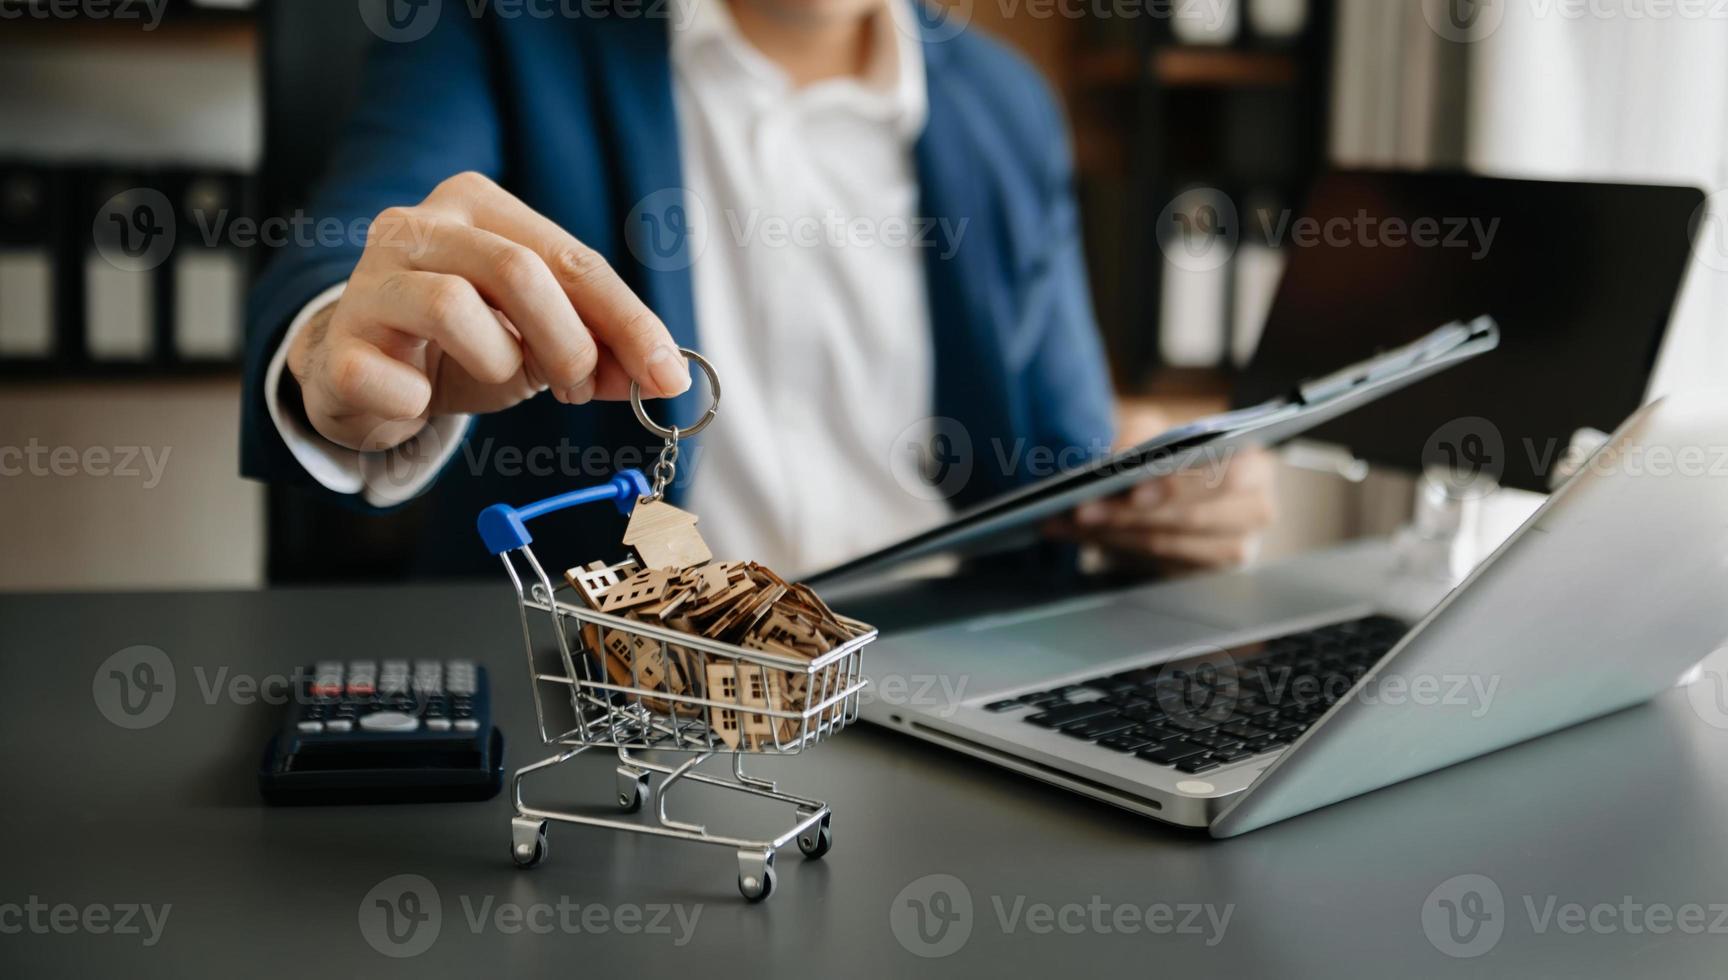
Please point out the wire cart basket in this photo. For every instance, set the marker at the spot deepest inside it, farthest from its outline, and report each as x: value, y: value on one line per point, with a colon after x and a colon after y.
x: 735, y: 701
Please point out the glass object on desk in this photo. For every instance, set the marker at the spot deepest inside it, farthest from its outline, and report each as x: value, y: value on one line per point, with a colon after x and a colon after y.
x: 1442, y: 544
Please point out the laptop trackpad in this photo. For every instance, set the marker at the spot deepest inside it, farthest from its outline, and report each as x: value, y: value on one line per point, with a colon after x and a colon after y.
x: 1268, y: 596
x: 1023, y: 648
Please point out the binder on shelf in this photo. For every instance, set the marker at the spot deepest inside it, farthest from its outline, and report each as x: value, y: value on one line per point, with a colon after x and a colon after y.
x: 1197, y: 235
x: 130, y: 235
x: 1259, y: 269
x: 1193, y: 314
x: 209, y: 271
x: 1278, y: 20
x: 1211, y: 24
x: 30, y: 203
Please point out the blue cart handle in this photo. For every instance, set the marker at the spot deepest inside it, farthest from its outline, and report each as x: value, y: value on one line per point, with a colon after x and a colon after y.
x: 504, y: 528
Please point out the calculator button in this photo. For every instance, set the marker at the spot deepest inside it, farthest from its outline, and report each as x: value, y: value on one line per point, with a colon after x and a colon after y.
x: 467, y: 725
x: 339, y: 725
x: 437, y: 724
x: 389, y: 721
x: 311, y: 727
x: 459, y: 677
x: 428, y: 677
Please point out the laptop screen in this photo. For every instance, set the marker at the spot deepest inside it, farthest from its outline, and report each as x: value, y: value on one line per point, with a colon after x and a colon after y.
x: 1581, y: 277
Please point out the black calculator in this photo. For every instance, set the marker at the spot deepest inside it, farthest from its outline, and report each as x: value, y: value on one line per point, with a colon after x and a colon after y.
x: 386, y: 731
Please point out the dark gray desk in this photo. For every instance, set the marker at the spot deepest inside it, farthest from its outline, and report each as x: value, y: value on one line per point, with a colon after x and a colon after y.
x: 1631, y: 809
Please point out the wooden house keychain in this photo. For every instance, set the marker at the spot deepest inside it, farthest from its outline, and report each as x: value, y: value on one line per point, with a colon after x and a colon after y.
x: 662, y: 535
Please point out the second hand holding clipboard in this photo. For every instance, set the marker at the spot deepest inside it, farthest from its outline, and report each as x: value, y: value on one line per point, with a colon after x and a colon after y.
x: 1310, y: 404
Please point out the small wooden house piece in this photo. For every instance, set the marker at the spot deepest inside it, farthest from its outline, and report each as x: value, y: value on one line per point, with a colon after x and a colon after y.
x: 665, y: 537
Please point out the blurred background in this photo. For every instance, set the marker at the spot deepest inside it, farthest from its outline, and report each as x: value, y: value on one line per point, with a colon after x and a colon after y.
x: 1199, y: 119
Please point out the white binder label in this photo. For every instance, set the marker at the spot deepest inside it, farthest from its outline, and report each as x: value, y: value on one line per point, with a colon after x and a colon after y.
x: 26, y: 303
x: 120, y: 311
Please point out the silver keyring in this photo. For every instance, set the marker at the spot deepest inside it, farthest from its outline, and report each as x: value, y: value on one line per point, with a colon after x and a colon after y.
x: 702, y: 423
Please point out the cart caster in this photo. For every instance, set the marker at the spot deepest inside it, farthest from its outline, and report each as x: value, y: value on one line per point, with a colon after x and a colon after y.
x: 632, y: 789
x: 756, y: 874
x: 817, y: 839
x: 528, y: 845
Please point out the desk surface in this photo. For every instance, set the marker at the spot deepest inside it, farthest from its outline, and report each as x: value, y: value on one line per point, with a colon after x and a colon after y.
x: 1629, y: 813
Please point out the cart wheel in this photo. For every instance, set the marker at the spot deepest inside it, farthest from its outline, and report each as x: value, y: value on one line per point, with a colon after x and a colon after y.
x: 756, y: 874
x: 818, y: 839
x: 528, y: 844
x: 632, y: 789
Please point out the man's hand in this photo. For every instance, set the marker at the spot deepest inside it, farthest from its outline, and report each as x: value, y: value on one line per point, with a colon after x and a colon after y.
x: 1209, y: 517
x: 472, y: 302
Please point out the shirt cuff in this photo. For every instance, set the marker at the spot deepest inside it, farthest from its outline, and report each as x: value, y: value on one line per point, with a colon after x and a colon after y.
x: 382, y: 479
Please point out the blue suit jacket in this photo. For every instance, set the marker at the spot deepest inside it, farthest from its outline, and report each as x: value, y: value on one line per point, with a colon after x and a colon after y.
x: 577, y: 119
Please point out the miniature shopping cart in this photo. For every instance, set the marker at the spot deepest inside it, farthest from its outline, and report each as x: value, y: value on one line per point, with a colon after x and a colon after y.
x: 735, y: 701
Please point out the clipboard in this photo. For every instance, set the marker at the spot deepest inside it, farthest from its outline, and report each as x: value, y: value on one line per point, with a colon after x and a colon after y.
x: 1209, y: 440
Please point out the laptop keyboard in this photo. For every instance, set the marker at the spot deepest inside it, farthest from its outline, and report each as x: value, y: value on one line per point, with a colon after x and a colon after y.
x: 1224, y: 706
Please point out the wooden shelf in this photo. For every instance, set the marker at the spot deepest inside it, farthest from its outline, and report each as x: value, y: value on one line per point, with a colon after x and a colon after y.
x: 1190, y: 67
x: 1222, y: 68
x: 216, y: 30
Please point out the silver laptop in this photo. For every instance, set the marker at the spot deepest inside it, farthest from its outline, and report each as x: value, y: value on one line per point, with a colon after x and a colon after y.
x: 1234, y: 701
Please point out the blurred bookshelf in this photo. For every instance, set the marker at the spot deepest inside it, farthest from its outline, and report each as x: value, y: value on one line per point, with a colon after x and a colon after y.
x: 1195, y: 126
x: 129, y: 142
x: 1190, y: 120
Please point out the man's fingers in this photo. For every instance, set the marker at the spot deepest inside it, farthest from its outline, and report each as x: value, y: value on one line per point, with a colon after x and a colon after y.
x: 1248, y: 510
x: 515, y: 279
x: 1206, y: 550
x: 459, y: 392
x: 1239, y: 469
x: 616, y: 315
x: 359, y: 382
x: 448, y: 311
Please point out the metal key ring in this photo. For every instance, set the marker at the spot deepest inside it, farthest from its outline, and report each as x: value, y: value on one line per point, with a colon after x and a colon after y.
x: 665, y: 432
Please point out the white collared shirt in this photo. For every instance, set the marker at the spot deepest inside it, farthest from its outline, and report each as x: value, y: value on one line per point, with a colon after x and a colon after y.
x: 810, y: 301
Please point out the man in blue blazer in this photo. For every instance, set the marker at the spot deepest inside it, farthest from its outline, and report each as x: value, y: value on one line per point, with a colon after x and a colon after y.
x: 864, y: 217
